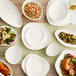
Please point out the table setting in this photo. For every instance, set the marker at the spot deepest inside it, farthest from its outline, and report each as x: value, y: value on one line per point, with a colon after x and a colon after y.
x: 37, y: 38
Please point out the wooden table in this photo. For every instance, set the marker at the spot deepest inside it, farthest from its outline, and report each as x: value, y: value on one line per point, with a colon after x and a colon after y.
x: 17, y: 70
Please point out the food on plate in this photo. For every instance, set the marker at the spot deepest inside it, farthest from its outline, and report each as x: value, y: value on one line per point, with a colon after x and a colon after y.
x: 4, y: 69
x: 32, y: 10
x: 67, y: 38
x: 73, y: 7
x: 6, y: 36
x: 68, y: 65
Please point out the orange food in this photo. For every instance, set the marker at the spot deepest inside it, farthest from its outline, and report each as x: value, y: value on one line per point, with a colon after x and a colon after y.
x: 73, y: 7
x: 4, y: 69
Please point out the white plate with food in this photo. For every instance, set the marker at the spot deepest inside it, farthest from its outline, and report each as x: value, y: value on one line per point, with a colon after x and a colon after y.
x: 10, y: 14
x: 33, y: 69
x: 13, y: 54
x: 57, y: 20
x: 5, y: 69
x: 35, y: 36
x: 66, y: 37
x: 66, y: 63
x: 35, y: 10
x: 8, y: 35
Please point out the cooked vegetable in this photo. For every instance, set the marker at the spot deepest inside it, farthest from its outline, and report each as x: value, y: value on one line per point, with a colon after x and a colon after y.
x: 6, y: 36
x: 32, y: 10
x: 68, y: 65
x: 4, y: 69
x: 68, y: 38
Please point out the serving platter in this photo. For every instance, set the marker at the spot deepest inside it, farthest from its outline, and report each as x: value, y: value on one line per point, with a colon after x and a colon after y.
x: 26, y: 64
x: 57, y: 63
x: 35, y: 36
x: 63, y: 43
x: 10, y: 14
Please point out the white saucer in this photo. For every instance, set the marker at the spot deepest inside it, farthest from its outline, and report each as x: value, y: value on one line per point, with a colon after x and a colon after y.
x: 35, y: 59
x: 64, y: 22
x: 35, y: 36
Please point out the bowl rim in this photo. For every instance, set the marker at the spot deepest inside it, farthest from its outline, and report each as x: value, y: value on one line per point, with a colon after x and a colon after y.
x: 27, y: 1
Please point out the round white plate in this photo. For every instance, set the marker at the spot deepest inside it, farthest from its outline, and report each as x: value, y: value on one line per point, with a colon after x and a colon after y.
x: 11, y: 72
x: 52, y: 49
x: 12, y: 29
x: 39, y: 59
x: 13, y: 54
x: 62, y: 42
x: 10, y: 14
x: 64, y: 22
x: 35, y: 36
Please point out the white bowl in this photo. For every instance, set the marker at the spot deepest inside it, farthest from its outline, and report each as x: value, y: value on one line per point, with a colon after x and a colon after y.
x: 58, y: 11
x: 61, y: 41
x: 27, y: 1
x: 52, y: 50
x: 58, y: 61
x: 13, y: 54
x: 11, y: 74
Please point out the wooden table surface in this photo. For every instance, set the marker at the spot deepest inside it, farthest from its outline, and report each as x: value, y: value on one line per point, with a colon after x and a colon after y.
x: 17, y: 70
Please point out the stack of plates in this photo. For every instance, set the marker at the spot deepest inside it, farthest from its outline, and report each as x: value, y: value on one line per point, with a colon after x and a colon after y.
x: 34, y: 65
x: 58, y: 13
x: 35, y: 36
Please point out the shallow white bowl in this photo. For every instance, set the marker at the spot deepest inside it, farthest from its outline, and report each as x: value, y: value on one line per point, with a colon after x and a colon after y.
x: 58, y: 11
x: 13, y: 54
x: 27, y: 1
x: 12, y: 29
x: 11, y: 74
x: 52, y: 49
x: 62, y: 42
x: 57, y: 63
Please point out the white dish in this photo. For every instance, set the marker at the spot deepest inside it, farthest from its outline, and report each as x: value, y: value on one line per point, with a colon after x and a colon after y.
x: 10, y: 14
x: 12, y: 29
x: 58, y: 11
x: 57, y: 64
x: 27, y: 1
x: 13, y: 54
x: 64, y: 22
x: 52, y: 49
x: 40, y: 60
x: 11, y: 72
x: 30, y: 38
x: 62, y: 42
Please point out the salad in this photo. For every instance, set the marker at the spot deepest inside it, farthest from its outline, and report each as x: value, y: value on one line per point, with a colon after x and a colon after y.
x: 32, y: 10
x: 68, y: 65
x: 6, y: 36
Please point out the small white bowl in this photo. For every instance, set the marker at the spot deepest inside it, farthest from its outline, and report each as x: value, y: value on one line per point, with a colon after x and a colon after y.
x: 58, y: 11
x: 27, y: 1
x: 13, y: 54
x: 52, y: 50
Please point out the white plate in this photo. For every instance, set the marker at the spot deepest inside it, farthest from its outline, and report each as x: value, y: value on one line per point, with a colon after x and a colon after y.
x: 64, y: 22
x: 62, y: 42
x: 11, y: 73
x: 40, y: 60
x: 52, y: 49
x: 57, y: 64
x: 30, y: 35
x: 27, y: 1
x: 12, y: 29
x: 10, y: 14
x: 58, y: 11
x: 13, y: 54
